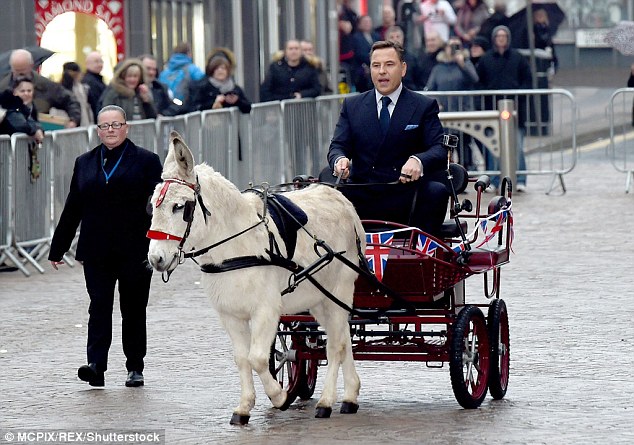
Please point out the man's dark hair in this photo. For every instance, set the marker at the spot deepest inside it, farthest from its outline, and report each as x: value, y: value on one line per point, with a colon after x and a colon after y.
x: 383, y: 44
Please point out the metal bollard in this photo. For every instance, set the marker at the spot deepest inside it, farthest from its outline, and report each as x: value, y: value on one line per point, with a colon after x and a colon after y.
x: 508, y: 140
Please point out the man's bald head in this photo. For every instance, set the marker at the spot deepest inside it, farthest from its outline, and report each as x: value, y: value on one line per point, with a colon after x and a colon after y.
x: 21, y: 63
x: 94, y: 62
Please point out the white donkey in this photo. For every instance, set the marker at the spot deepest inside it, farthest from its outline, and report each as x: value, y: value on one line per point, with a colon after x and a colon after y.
x: 196, y: 207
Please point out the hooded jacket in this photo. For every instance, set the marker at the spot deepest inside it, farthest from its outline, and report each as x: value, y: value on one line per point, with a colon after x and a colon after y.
x: 179, y: 62
x: 118, y: 93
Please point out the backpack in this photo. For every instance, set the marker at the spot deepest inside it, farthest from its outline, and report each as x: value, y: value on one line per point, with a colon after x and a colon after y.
x: 178, y: 82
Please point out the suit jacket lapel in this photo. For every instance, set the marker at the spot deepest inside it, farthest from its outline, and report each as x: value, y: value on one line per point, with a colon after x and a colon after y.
x: 405, y: 107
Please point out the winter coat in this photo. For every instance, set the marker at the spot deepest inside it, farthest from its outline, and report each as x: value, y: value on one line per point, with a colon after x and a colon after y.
x: 48, y: 94
x: 447, y: 75
x: 203, y: 95
x: 18, y: 118
x: 283, y: 81
x: 180, y: 62
x: 117, y: 93
x: 96, y: 87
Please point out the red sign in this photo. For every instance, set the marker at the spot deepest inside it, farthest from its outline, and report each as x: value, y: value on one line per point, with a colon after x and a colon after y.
x: 110, y: 11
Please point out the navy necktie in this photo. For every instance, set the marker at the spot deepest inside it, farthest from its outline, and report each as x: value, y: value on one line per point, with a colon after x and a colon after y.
x: 384, y: 116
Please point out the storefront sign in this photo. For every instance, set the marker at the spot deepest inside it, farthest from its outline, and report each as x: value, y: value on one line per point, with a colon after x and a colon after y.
x: 110, y: 11
x: 591, y: 38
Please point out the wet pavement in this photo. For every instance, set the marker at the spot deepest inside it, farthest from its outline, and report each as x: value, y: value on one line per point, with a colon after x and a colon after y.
x: 569, y: 297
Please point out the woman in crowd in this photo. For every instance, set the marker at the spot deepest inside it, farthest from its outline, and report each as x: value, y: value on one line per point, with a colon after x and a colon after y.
x: 71, y: 80
x: 471, y: 15
x: 129, y: 91
x: 218, y: 89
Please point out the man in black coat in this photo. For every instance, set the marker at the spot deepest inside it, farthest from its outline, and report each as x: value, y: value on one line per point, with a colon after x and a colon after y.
x: 94, y: 80
x: 109, y: 192
x: 290, y: 77
x: 162, y: 102
x: 391, y: 134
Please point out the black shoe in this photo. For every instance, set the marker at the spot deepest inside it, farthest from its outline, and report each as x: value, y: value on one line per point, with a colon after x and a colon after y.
x: 90, y: 374
x: 135, y: 378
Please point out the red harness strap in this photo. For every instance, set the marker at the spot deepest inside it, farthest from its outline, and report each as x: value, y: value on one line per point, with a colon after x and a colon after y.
x: 157, y: 234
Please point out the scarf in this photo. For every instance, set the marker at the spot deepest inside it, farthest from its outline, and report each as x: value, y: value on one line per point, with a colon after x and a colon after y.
x: 224, y: 86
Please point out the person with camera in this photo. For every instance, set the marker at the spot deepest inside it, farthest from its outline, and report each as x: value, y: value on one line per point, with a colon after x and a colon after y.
x: 218, y: 89
x: 454, y: 72
x: 437, y: 15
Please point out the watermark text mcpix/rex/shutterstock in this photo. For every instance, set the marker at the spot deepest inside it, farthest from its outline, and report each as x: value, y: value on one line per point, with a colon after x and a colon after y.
x: 50, y: 436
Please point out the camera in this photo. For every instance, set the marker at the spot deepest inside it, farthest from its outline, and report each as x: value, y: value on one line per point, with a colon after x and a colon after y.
x: 455, y: 48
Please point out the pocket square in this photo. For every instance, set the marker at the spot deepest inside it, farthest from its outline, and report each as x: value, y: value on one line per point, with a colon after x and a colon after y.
x: 411, y: 127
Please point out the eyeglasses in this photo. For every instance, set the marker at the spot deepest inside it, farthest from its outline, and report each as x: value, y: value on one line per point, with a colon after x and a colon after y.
x: 114, y: 125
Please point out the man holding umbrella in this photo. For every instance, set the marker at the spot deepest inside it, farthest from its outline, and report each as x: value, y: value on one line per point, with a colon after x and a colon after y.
x: 47, y: 94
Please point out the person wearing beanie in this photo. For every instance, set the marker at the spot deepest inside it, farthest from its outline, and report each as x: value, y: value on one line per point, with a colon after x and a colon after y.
x: 479, y: 46
x: 504, y: 68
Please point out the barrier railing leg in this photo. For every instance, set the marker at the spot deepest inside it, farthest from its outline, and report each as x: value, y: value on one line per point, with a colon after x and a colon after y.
x: 16, y: 262
x: 554, y: 177
x: 508, y: 140
x: 628, y: 180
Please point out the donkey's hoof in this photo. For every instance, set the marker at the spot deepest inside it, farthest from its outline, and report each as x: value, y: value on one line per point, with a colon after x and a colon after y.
x: 349, y: 408
x: 239, y: 419
x: 323, y: 413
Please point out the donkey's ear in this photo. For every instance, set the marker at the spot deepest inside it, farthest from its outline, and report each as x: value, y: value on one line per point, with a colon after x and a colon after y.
x: 179, y: 161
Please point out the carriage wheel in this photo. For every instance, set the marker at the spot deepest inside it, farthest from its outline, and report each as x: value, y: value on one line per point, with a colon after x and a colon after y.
x: 308, y: 379
x: 285, y: 367
x: 498, y: 321
x: 469, y: 357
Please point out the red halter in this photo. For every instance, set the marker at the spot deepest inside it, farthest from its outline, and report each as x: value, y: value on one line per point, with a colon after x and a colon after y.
x: 157, y: 234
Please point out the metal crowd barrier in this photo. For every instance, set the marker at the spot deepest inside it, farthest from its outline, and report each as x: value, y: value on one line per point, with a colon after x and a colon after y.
x: 219, y: 144
x: 276, y: 141
x: 621, y: 148
x: 548, y: 120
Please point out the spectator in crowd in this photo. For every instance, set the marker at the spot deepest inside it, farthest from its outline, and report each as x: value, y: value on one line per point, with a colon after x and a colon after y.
x: 109, y: 193
x: 434, y: 44
x: 469, y: 19
x: 504, y: 68
x: 20, y: 115
x: 437, y: 15
x: 454, y: 72
x: 413, y: 75
x: 391, y: 134
x: 162, y: 102
x: 544, y: 34
x: 388, y: 20
x: 129, y: 91
x: 71, y: 80
x: 46, y: 94
x: 179, y: 72
x: 290, y: 76
x: 347, y: 25
x: 479, y: 46
x: 308, y: 51
x: 218, y: 89
x: 498, y: 18
x: 94, y: 80
x: 364, y: 38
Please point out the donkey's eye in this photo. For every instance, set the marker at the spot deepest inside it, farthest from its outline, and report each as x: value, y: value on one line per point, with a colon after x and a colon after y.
x: 178, y: 208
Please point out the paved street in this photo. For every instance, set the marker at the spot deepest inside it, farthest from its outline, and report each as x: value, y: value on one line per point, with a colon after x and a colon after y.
x: 569, y: 298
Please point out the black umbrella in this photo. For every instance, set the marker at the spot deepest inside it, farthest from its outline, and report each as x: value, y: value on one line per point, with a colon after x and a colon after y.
x: 39, y: 56
x: 519, y: 28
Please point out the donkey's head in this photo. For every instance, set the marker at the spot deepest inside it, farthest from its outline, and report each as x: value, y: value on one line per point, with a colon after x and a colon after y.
x: 173, y: 206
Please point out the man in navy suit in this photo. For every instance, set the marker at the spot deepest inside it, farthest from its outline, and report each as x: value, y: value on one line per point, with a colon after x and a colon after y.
x: 391, y: 135
x: 109, y: 193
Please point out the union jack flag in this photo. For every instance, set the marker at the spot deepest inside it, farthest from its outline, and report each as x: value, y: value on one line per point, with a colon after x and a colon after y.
x: 377, y: 254
x: 499, y: 222
x: 459, y: 248
x: 426, y: 245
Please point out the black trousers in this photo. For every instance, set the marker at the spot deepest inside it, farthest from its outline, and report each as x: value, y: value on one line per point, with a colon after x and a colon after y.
x: 133, y: 278
x: 421, y: 204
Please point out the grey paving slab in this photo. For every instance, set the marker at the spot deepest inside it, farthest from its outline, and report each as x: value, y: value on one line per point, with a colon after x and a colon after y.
x: 568, y: 291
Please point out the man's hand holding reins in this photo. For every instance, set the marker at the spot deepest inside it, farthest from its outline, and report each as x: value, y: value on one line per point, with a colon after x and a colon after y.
x: 411, y: 171
x: 342, y: 167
